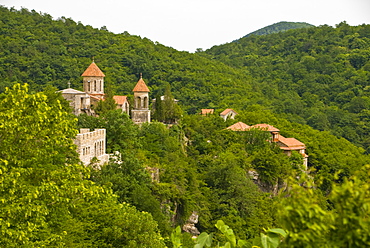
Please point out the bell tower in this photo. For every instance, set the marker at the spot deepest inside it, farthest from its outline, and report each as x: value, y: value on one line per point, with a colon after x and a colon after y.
x: 141, y: 113
x: 93, y: 81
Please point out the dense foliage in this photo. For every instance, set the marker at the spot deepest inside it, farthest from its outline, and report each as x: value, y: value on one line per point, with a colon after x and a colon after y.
x: 46, y: 196
x: 279, y: 27
x: 317, y: 76
x: 161, y: 174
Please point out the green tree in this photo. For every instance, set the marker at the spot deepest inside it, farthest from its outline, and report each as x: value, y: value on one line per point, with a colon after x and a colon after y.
x: 158, y: 109
x: 46, y: 197
x: 167, y: 110
x: 312, y: 220
x: 103, y: 106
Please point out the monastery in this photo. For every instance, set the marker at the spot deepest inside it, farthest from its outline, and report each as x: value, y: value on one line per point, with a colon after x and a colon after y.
x: 288, y: 145
x: 91, y: 144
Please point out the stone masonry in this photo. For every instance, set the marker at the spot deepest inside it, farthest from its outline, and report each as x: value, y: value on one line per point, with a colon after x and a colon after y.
x: 91, y: 144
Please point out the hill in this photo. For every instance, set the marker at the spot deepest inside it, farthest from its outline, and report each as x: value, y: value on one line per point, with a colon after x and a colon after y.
x: 317, y: 76
x: 279, y: 27
x: 198, y: 167
x: 37, y: 50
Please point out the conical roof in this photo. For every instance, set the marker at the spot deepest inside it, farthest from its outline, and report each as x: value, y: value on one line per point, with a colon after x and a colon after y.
x: 141, y: 86
x: 93, y: 71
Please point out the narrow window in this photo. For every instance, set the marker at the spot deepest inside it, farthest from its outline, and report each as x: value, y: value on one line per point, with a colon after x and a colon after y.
x: 145, y: 102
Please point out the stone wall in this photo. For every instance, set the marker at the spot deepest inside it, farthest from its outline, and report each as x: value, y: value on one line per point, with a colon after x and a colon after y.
x: 140, y: 116
x: 91, y: 144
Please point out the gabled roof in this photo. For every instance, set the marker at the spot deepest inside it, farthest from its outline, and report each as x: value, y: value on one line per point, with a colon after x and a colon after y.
x: 239, y: 126
x: 120, y: 99
x: 93, y: 71
x: 141, y: 86
x: 228, y: 110
x: 207, y: 111
x: 266, y: 127
x: 71, y: 91
x: 290, y: 143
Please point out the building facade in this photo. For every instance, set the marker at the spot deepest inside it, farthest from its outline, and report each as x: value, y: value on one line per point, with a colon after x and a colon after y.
x: 91, y: 144
x: 140, y: 112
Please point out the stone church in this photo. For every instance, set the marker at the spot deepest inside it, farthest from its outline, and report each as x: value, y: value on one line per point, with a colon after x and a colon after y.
x: 93, y: 86
x: 91, y: 144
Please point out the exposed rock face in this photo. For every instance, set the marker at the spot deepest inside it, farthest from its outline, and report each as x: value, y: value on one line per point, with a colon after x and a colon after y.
x: 190, y: 224
x: 272, y: 188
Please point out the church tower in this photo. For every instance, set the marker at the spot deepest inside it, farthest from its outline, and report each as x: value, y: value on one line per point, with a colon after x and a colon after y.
x: 140, y: 112
x: 93, y: 81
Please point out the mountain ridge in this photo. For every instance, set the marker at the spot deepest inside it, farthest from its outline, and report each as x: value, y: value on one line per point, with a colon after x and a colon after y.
x: 279, y: 27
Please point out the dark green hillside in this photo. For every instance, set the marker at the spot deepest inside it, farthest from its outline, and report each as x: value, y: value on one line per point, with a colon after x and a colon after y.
x: 37, y: 50
x: 279, y: 27
x: 165, y: 173
x: 318, y: 76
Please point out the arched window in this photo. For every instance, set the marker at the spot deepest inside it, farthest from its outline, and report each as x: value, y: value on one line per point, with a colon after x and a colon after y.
x: 138, y: 102
x: 94, y: 85
x: 145, y: 102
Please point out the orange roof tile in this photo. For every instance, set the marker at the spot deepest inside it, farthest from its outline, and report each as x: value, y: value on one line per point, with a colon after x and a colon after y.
x: 120, y: 99
x: 96, y: 98
x: 93, y: 71
x: 207, y: 111
x: 266, y: 127
x: 226, y: 111
x: 290, y: 143
x: 141, y: 86
x: 239, y: 126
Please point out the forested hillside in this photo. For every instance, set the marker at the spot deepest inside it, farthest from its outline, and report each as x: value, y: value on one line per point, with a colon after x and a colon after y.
x: 316, y: 76
x: 40, y: 51
x: 279, y: 27
x: 198, y: 166
x: 319, y: 76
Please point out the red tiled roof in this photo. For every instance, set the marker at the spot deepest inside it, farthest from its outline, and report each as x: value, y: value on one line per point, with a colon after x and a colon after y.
x: 120, y: 99
x: 266, y: 127
x: 141, y: 86
x: 96, y: 98
x: 239, y: 126
x: 207, y: 111
x: 290, y: 143
x: 93, y: 71
x: 226, y: 111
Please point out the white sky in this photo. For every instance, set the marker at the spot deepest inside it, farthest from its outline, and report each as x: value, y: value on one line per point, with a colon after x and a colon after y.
x: 189, y: 24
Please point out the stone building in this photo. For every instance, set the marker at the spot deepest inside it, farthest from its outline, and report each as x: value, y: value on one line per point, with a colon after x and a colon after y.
x: 122, y: 103
x: 91, y: 144
x: 93, y: 86
x: 206, y: 112
x: 79, y: 101
x: 286, y: 144
x: 140, y: 112
x: 93, y: 81
x: 228, y: 113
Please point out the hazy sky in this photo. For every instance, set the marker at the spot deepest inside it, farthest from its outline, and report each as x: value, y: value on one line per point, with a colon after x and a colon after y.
x: 189, y: 24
